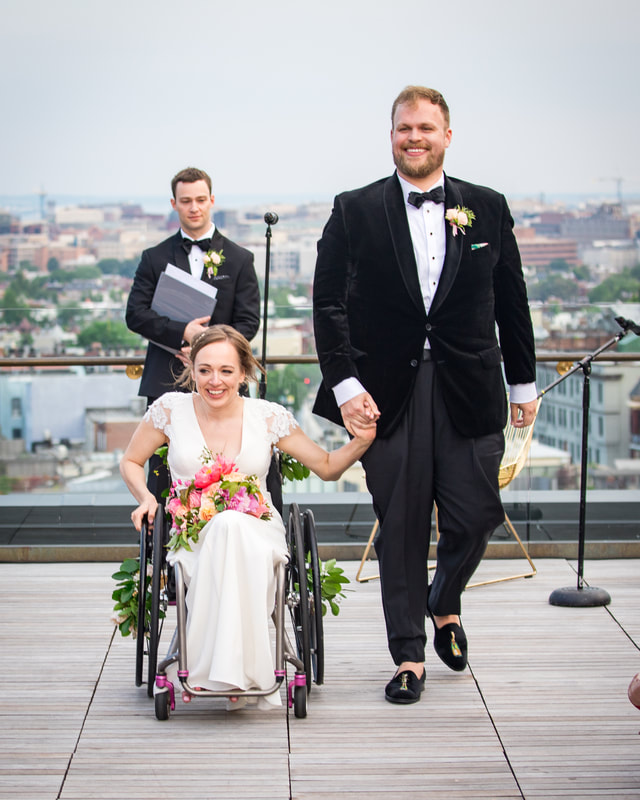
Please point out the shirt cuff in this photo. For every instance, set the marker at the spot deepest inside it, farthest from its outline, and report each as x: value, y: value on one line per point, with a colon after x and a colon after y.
x: 522, y: 393
x: 347, y: 389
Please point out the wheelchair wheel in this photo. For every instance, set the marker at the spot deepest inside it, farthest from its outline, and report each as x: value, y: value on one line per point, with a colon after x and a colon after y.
x: 317, y: 629
x: 298, y: 591
x: 141, y: 635
x: 158, y: 595
x: 149, y: 628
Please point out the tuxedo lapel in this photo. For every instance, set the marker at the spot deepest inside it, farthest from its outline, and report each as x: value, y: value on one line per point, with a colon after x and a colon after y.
x: 399, y: 226
x: 180, y: 258
x: 453, y: 252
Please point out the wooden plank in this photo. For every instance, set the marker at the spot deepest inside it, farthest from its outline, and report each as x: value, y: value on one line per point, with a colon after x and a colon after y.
x: 541, y: 713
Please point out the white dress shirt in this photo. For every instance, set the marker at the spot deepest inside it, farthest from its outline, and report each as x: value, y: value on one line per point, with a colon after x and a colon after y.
x: 428, y: 235
x: 196, y: 256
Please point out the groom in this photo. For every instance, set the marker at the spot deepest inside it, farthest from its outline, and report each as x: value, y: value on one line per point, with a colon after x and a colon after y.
x: 413, y: 273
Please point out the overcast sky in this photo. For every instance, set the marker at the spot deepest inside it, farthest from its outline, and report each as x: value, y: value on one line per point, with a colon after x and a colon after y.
x: 287, y: 97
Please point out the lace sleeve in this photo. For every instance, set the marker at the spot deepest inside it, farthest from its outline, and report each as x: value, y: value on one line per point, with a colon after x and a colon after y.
x: 279, y: 420
x: 159, y: 412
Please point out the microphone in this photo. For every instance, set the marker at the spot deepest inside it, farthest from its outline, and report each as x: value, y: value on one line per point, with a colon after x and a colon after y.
x: 628, y: 325
x: 271, y: 217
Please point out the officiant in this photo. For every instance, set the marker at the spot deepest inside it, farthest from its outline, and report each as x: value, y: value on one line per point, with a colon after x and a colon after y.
x: 202, y: 251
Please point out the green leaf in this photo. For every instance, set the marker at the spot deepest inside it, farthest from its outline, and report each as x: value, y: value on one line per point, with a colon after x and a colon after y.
x: 162, y: 452
x: 127, y: 594
x: 291, y: 469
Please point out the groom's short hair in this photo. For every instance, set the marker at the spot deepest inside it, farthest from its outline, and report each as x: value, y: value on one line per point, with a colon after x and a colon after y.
x: 411, y: 95
x: 190, y: 175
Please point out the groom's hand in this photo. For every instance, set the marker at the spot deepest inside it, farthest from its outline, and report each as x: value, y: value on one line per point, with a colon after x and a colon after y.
x: 361, y: 410
x: 523, y: 414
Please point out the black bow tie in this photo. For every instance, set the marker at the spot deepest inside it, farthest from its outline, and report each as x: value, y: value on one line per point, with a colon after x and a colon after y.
x: 435, y: 195
x: 203, y: 244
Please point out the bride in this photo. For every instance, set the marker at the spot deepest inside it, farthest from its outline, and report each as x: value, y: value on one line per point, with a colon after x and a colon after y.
x: 230, y: 571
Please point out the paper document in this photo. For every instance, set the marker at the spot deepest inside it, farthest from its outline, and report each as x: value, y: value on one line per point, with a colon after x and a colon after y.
x: 181, y: 297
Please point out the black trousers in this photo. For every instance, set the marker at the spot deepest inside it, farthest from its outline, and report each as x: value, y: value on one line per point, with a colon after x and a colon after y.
x: 425, y: 460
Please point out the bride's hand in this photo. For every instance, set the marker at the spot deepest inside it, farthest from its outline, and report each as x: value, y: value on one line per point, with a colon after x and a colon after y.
x: 366, y: 433
x: 148, y: 507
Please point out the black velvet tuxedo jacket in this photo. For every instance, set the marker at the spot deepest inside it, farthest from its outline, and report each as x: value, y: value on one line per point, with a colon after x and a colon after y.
x: 369, y: 316
x: 238, y: 304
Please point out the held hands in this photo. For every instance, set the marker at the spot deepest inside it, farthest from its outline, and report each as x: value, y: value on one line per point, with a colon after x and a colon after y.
x: 148, y: 506
x: 360, y: 415
x: 523, y: 414
x: 364, y: 434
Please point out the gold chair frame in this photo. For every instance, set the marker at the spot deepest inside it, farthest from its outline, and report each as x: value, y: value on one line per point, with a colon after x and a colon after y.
x: 517, y: 443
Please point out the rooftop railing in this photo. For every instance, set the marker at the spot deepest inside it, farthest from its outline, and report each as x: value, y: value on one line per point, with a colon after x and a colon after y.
x: 543, y: 503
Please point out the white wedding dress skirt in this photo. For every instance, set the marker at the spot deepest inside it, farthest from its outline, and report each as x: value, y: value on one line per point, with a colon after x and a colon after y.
x: 231, y: 578
x: 231, y: 572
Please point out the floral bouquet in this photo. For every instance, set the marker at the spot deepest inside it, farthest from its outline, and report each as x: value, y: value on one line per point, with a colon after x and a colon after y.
x: 218, y: 486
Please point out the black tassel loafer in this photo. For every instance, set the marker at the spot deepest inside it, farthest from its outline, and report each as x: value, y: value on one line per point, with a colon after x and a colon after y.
x: 404, y: 688
x: 450, y: 643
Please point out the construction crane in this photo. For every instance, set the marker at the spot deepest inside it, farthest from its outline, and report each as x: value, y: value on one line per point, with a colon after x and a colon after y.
x: 618, y: 183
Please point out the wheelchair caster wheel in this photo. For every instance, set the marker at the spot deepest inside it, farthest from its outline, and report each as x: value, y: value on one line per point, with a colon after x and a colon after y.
x: 300, y: 701
x: 162, y: 702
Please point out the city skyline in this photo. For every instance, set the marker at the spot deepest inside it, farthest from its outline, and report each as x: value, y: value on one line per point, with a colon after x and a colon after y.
x: 283, y: 100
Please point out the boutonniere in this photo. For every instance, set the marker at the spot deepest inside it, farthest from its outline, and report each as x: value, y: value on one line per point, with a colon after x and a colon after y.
x: 459, y: 217
x: 212, y: 260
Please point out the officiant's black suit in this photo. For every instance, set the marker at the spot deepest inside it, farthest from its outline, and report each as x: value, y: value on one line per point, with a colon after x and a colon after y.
x: 238, y: 305
x: 370, y: 323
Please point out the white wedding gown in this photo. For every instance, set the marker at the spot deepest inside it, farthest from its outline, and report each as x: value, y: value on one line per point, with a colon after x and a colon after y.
x: 230, y: 572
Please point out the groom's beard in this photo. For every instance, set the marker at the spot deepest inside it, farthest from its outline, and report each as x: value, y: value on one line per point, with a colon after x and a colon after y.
x: 431, y: 162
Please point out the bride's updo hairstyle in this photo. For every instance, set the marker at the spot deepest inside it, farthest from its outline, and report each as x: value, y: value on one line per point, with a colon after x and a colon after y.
x: 222, y: 333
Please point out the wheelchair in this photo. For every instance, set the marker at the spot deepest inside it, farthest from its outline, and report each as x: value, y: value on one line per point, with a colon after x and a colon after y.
x: 298, y: 589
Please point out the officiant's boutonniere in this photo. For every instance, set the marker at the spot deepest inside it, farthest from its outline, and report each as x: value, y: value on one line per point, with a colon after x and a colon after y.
x: 459, y: 217
x: 212, y: 260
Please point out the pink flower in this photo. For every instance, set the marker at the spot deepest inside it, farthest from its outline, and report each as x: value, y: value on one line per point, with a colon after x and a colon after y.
x: 211, y: 473
x: 195, y: 499
x: 175, y: 507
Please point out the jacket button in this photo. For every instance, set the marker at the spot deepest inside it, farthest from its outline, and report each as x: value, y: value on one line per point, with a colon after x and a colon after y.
x: 428, y: 326
x: 414, y: 363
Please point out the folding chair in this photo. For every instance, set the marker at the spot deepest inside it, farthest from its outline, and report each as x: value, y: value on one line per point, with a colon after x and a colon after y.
x: 517, y: 444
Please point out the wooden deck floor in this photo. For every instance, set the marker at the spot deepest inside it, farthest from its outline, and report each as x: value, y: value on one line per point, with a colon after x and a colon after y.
x: 542, y: 712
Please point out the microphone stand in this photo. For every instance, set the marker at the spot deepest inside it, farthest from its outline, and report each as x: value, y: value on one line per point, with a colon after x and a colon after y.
x: 270, y: 218
x: 581, y: 595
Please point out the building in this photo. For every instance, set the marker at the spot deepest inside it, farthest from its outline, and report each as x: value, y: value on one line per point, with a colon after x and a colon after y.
x: 559, y: 421
x: 540, y: 251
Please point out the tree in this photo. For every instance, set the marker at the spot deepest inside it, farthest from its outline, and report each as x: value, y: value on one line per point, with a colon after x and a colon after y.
x: 53, y: 264
x: 86, y: 271
x: 553, y: 286
x: 582, y: 272
x: 560, y: 265
x: 111, y: 335
x: 14, y: 308
x: 290, y: 385
x: 616, y: 287
x: 109, y: 266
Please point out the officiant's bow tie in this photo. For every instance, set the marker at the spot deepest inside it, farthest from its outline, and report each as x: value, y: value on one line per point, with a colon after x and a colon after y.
x: 435, y: 195
x: 203, y: 244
